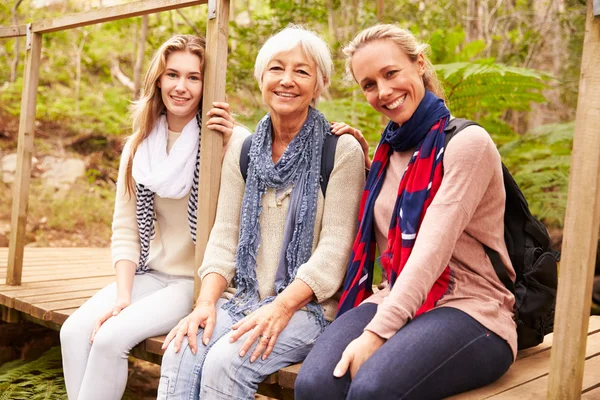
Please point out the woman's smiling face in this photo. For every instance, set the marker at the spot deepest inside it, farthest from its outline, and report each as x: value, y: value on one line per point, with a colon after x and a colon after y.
x: 389, y: 79
x: 289, y: 83
x: 181, y: 88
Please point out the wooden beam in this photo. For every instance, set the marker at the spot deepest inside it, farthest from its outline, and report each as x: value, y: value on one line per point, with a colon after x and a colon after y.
x: 112, y: 13
x: 24, y: 153
x: 215, y: 68
x: 13, y: 31
x: 582, y: 220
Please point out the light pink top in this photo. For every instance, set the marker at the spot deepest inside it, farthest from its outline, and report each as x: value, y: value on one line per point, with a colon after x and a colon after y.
x: 468, y: 211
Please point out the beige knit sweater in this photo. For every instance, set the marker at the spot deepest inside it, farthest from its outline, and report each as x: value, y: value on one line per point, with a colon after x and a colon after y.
x: 172, y: 250
x: 467, y: 211
x: 334, y: 231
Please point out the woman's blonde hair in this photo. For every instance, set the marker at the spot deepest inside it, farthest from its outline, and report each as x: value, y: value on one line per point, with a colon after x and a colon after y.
x: 150, y: 106
x: 407, y: 43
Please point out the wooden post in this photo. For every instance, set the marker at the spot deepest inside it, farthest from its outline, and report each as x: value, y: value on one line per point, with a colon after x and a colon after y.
x: 581, y: 228
x: 24, y: 153
x: 211, y: 144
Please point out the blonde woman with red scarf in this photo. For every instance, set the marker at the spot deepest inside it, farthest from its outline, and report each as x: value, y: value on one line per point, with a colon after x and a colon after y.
x: 444, y: 324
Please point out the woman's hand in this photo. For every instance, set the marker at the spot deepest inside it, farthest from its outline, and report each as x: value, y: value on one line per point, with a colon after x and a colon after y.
x: 221, y: 120
x: 203, y: 316
x: 264, y: 325
x: 357, y: 352
x: 119, y: 305
x: 340, y: 128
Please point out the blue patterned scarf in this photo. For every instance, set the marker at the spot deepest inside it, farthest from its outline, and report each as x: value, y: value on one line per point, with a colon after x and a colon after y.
x: 299, y: 167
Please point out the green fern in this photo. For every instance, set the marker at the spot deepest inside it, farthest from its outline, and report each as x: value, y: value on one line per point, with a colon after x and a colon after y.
x: 484, y: 90
x: 41, y: 379
x: 540, y: 162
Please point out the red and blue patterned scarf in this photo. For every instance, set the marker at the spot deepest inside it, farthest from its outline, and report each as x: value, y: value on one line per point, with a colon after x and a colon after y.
x: 418, y: 186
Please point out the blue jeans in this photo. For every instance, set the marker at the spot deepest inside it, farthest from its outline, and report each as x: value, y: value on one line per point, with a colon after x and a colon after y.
x: 440, y: 353
x: 217, y: 372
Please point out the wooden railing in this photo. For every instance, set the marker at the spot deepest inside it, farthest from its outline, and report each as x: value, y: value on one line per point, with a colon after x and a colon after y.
x: 582, y: 219
x: 214, y: 90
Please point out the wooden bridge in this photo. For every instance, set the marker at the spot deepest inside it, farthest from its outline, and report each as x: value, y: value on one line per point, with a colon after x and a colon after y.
x: 46, y: 285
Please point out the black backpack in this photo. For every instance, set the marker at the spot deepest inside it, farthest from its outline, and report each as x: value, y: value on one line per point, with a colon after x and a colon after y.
x: 327, y: 158
x: 534, y: 261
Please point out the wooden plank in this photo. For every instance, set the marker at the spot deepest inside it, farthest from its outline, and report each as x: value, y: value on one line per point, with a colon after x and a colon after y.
x: 112, y: 13
x: 30, y: 293
x: 538, y: 388
x: 525, y: 370
x: 7, y: 290
x: 287, y: 376
x: 24, y: 153
x: 215, y: 68
x: 548, y: 340
x: 47, y: 297
x: 593, y: 394
x: 582, y: 221
x: 13, y: 31
x: 48, y: 311
x: 153, y: 345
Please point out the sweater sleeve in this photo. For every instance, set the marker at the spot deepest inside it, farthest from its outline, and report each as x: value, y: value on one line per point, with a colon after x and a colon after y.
x: 469, y: 164
x: 125, y: 240
x: 219, y: 256
x: 324, y: 271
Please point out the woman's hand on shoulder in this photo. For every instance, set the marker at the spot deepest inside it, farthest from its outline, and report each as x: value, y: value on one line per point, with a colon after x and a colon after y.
x: 341, y: 128
x: 221, y: 120
x: 357, y: 352
x: 113, y: 311
x: 264, y: 325
x: 204, y: 316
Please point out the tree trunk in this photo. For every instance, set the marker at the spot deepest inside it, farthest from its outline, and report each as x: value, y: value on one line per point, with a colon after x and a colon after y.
x: 380, y: 10
x: 331, y: 21
x: 78, y: 54
x: 548, y: 54
x: 139, y: 62
x: 473, y: 28
x: 15, y: 61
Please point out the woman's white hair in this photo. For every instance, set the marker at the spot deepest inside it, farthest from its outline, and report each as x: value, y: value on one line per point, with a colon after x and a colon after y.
x: 288, y: 38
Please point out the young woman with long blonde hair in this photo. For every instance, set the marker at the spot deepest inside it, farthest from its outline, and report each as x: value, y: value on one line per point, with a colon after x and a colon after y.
x: 154, y: 225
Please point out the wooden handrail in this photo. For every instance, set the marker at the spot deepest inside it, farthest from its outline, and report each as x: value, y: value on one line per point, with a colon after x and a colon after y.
x: 580, y: 237
x: 12, y: 31
x: 211, y: 142
x: 98, y: 15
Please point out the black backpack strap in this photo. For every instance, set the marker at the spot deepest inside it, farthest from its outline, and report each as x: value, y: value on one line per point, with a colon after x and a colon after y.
x: 245, y: 157
x: 327, y: 159
x: 500, y: 268
x: 456, y: 125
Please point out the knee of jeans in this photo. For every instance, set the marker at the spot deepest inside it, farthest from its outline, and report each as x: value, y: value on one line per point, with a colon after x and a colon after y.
x: 310, y: 383
x: 73, y: 331
x: 222, y: 362
x: 109, y: 343
x: 365, y: 386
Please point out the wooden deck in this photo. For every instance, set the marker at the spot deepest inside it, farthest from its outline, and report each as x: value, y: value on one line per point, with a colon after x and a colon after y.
x: 56, y: 281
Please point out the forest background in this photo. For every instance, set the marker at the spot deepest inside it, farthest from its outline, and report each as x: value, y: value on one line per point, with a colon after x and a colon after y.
x: 511, y: 65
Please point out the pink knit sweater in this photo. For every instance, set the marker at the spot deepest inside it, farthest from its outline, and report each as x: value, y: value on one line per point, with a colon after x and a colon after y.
x: 468, y: 211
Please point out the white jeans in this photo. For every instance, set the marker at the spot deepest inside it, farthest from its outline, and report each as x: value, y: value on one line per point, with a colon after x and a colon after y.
x: 99, y: 370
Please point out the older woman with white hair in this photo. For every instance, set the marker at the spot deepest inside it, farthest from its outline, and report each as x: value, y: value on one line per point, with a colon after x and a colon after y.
x: 278, y: 251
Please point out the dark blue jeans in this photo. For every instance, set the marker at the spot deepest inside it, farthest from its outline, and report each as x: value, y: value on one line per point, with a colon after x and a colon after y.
x: 440, y: 353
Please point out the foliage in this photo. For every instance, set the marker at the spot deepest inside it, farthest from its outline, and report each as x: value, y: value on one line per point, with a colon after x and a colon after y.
x: 41, y: 379
x: 37, y: 380
x: 483, y: 90
x: 540, y: 163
